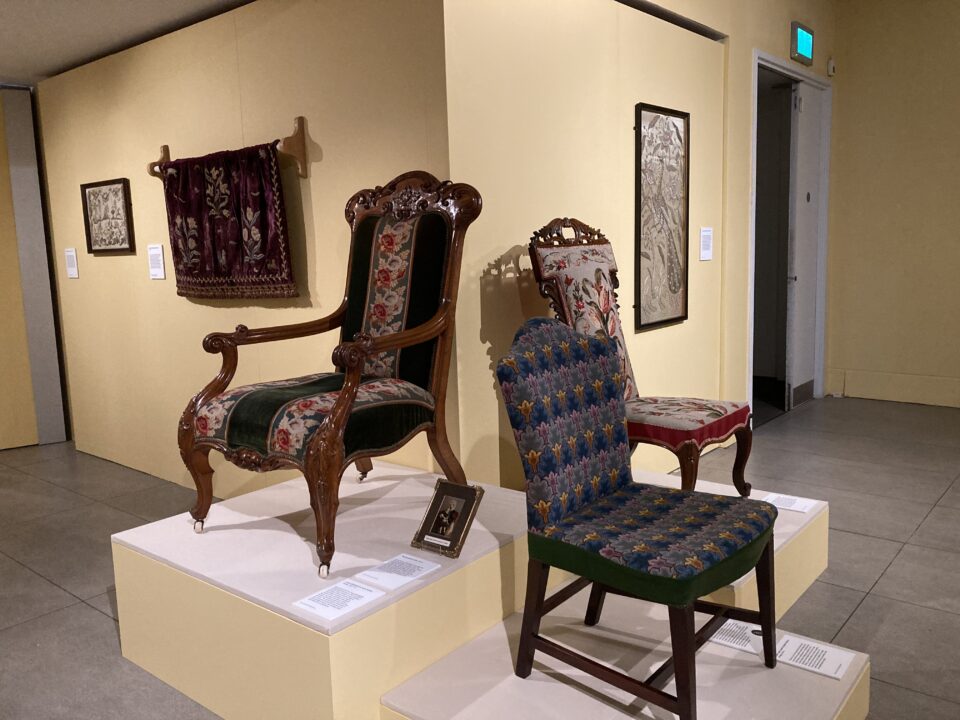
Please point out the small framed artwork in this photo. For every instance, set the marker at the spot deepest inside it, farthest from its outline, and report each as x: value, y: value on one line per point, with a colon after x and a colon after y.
x: 108, y: 217
x: 662, y: 216
x: 449, y: 517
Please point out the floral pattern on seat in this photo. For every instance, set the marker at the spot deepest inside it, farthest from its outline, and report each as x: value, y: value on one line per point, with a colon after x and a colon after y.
x: 673, y: 421
x: 583, y: 272
x: 568, y: 418
x: 663, y: 531
x: 295, y: 419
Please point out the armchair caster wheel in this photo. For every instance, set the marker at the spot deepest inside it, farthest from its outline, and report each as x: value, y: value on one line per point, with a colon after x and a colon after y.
x: 324, y: 570
x: 198, y: 526
x: 362, y: 477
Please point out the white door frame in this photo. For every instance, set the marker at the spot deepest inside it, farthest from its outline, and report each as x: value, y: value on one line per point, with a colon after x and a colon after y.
x: 791, y: 70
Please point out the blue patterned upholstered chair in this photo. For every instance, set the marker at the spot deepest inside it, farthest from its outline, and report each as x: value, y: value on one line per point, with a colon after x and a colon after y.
x: 389, y: 379
x: 585, y: 515
x: 578, y: 275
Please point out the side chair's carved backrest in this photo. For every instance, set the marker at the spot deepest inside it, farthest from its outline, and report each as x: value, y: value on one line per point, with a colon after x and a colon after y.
x: 568, y: 417
x: 578, y: 275
x: 404, y: 264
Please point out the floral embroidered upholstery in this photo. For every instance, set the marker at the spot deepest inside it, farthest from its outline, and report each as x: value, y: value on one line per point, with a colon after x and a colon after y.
x: 566, y: 410
x: 585, y: 514
x: 583, y: 272
x: 673, y: 421
x: 278, y: 418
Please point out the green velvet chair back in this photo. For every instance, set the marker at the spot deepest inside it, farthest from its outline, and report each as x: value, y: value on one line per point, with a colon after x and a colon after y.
x: 404, y: 264
x: 568, y: 417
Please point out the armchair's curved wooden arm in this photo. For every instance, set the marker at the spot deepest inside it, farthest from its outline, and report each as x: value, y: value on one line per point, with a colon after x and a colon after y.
x: 226, y: 344
x: 353, y: 353
x: 242, y: 335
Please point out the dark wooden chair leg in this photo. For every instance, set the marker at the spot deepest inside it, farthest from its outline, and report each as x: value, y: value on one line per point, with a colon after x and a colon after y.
x: 364, y: 465
x: 683, y: 639
x: 537, y: 573
x: 440, y: 447
x: 744, y: 442
x: 322, y: 468
x: 595, y: 604
x: 198, y: 463
x: 768, y: 604
x: 689, y: 456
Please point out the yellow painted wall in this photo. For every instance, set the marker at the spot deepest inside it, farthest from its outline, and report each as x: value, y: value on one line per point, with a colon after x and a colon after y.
x: 369, y: 78
x: 540, y: 102
x: 18, y: 420
x: 894, y: 263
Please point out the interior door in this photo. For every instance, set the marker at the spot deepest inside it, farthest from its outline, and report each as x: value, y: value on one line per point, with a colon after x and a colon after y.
x: 802, y: 256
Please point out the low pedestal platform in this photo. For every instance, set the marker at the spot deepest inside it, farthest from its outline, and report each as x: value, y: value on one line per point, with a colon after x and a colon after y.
x: 213, y: 615
x: 477, y: 682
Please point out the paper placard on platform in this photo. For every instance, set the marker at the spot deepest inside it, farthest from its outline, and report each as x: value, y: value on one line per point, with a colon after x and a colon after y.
x: 398, y: 571
x: 737, y: 635
x: 339, y: 599
x: 791, y: 502
x: 809, y: 655
x: 155, y: 261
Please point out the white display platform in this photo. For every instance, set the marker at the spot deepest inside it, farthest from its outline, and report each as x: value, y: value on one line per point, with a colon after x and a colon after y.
x: 261, y: 546
x: 213, y: 615
x: 476, y: 682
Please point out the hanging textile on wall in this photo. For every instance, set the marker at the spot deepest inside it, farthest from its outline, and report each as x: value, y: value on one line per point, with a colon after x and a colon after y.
x: 228, y: 226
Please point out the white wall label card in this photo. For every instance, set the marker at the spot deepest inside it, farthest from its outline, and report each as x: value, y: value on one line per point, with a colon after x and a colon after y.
x: 339, y: 599
x: 70, y: 255
x: 810, y: 655
x: 790, y: 502
x: 706, y: 243
x: 398, y: 571
x: 155, y: 260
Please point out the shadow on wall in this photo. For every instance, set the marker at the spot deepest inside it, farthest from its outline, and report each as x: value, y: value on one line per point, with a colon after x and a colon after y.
x: 508, y: 296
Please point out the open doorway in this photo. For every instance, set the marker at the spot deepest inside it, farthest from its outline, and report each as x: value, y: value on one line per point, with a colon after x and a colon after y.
x: 772, y: 223
x: 789, y: 241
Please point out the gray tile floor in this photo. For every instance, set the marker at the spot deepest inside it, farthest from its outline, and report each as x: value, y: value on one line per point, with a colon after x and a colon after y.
x: 891, y: 473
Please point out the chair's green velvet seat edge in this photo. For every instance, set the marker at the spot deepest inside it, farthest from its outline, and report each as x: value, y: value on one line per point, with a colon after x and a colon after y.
x: 665, y: 590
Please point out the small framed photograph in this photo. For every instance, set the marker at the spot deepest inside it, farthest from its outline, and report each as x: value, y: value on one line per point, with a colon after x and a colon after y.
x: 449, y: 517
x: 108, y: 217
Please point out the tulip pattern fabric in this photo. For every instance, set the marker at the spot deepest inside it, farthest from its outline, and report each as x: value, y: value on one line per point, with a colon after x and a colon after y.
x: 279, y: 418
x: 584, y: 512
x: 228, y: 225
x: 583, y: 272
x: 563, y: 394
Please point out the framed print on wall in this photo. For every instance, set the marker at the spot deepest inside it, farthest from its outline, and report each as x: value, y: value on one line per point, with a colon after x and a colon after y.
x: 108, y: 217
x: 662, y: 215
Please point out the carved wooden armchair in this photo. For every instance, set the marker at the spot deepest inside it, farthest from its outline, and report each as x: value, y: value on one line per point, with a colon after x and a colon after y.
x: 390, y: 369
x: 578, y: 275
x: 563, y: 392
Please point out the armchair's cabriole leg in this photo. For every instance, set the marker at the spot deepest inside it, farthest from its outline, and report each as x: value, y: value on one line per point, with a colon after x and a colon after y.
x: 364, y: 466
x: 537, y: 573
x: 683, y: 639
x: 766, y: 583
x: 595, y: 604
x: 689, y: 457
x: 322, y: 469
x: 198, y: 463
x: 440, y: 447
x: 744, y: 442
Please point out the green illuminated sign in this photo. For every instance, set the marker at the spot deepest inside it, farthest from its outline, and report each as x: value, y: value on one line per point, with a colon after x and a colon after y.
x: 801, y: 43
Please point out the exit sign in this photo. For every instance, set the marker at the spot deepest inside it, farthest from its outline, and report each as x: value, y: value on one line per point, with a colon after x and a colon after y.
x: 801, y: 43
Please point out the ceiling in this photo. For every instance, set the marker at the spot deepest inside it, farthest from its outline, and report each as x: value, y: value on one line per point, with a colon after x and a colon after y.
x: 40, y: 39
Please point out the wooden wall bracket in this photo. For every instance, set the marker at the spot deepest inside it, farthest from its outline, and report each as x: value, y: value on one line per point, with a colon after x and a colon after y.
x: 294, y: 145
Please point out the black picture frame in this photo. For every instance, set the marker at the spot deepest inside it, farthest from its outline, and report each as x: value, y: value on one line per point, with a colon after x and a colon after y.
x: 654, y: 217
x: 448, y: 518
x: 107, y: 203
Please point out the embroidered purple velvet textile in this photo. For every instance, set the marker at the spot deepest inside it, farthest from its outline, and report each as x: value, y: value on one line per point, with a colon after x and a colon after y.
x: 228, y: 225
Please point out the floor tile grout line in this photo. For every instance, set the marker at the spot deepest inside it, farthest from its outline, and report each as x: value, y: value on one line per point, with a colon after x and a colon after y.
x: 876, y: 438
x: 866, y: 595
x: 44, y: 577
x: 914, y: 690
x: 77, y: 601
